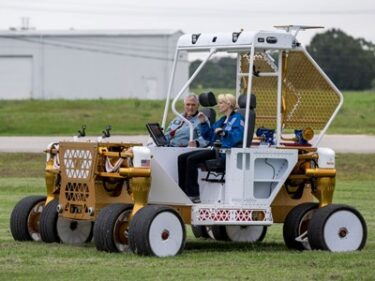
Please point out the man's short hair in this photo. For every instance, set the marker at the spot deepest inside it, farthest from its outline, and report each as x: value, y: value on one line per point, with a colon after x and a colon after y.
x: 192, y: 97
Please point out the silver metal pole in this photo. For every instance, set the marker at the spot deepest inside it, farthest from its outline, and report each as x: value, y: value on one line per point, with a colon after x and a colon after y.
x: 212, y: 51
x: 170, y: 89
x: 278, y: 108
x: 248, y: 93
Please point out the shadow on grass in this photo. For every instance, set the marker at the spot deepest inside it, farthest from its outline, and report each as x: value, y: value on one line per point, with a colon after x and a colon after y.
x: 222, y: 246
x: 191, y: 246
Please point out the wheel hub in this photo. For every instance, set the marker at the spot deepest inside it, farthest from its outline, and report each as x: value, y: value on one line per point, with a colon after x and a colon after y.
x: 165, y: 235
x: 121, y: 228
x: 343, y: 232
x: 73, y: 225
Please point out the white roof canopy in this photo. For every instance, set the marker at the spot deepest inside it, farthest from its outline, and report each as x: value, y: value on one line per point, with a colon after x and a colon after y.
x: 237, y: 40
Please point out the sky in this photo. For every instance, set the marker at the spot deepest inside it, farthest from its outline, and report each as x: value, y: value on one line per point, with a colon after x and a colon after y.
x: 357, y: 18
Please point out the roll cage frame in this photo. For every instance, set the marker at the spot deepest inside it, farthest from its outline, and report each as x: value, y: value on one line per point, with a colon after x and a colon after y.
x: 276, y: 42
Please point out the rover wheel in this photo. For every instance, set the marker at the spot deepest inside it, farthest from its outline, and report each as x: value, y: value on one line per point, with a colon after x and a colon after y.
x: 296, y: 225
x: 111, y: 228
x: 48, y: 221
x: 74, y: 231
x: 219, y: 232
x: 24, y: 220
x: 246, y: 233
x: 337, y: 228
x: 209, y: 232
x: 157, y: 231
x: 200, y: 231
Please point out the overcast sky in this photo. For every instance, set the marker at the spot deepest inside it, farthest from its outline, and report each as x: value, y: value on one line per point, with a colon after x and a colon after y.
x: 356, y: 18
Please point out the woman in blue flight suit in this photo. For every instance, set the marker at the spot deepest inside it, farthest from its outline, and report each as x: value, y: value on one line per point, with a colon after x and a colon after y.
x: 229, y: 129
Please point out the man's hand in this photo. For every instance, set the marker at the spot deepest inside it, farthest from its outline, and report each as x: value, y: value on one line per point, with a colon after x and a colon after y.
x: 192, y: 143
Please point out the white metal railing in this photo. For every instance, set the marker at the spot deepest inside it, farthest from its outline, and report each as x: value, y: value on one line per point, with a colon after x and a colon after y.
x: 191, y: 127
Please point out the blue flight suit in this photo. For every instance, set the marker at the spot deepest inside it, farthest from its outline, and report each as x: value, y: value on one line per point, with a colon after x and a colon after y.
x: 233, y: 130
x: 178, y: 132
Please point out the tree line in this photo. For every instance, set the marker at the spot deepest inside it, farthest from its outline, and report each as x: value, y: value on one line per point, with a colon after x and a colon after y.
x: 349, y: 62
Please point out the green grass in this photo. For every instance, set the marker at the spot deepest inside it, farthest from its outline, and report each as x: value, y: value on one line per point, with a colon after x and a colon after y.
x: 357, y: 115
x: 129, y: 116
x: 65, y: 117
x: 201, y: 260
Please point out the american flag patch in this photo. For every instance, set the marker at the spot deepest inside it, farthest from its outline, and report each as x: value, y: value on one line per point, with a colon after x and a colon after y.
x: 145, y: 163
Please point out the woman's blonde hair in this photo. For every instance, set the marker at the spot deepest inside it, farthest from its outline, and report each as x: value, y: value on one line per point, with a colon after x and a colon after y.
x: 228, y: 99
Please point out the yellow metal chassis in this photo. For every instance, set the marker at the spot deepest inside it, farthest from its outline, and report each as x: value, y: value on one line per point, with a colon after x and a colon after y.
x: 82, y: 197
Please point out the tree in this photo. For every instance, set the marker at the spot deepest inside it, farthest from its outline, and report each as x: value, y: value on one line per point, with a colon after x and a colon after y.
x: 218, y: 73
x: 348, y: 62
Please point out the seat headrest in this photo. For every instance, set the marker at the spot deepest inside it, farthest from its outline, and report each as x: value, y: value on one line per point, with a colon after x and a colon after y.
x: 207, y: 99
x: 242, y: 101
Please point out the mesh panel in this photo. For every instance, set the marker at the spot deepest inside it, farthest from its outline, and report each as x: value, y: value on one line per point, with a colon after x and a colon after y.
x: 265, y: 89
x: 308, y: 99
x: 76, y: 192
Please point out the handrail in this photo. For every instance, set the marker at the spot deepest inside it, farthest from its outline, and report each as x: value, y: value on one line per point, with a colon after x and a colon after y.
x: 248, y: 93
x: 279, y: 99
x: 170, y: 89
x: 212, y: 51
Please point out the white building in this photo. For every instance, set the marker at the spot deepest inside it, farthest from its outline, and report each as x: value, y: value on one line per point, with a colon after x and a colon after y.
x: 87, y: 64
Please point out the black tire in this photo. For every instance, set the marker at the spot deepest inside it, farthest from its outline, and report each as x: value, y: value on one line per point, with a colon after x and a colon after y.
x: 48, y: 222
x: 20, y: 226
x: 296, y: 223
x: 110, y: 228
x: 219, y: 233
x: 142, y: 240
x: 200, y: 231
x: 337, y: 228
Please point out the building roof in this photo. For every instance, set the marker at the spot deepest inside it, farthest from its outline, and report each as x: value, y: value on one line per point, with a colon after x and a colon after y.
x: 73, y: 32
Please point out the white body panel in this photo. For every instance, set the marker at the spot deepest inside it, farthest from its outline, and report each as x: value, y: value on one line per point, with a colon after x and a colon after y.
x: 164, y: 175
x: 141, y: 156
x: 253, y: 178
x: 326, y: 157
x: 255, y: 175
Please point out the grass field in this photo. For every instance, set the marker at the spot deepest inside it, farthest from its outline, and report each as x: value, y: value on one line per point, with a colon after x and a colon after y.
x: 21, y: 175
x: 128, y: 117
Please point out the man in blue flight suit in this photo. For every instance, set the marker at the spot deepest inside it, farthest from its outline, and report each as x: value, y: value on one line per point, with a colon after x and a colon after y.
x: 178, y: 131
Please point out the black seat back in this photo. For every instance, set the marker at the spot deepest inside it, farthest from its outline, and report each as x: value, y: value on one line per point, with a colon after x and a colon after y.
x: 252, y: 115
x: 207, y: 100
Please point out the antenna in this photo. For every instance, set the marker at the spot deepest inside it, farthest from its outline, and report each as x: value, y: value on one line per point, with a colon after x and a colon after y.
x: 296, y: 28
x: 25, y: 23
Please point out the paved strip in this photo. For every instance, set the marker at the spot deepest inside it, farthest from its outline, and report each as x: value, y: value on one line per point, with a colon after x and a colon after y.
x: 339, y: 143
x: 349, y: 143
x: 39, y: 144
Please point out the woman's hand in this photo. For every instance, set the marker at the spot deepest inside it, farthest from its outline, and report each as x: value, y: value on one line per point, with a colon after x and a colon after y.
x: 202, y: 117
x: 220, y: 132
